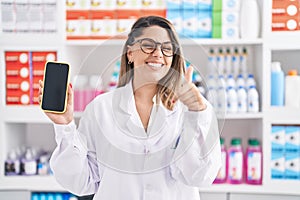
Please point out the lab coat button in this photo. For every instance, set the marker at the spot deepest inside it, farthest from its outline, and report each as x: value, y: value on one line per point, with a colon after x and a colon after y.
x: 67, y: 129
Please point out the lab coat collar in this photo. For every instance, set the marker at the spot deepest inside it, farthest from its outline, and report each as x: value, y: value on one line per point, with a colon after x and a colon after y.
x: 160, y: 115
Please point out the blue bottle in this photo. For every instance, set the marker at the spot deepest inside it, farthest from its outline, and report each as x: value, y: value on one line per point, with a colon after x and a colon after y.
x: 277, y: 85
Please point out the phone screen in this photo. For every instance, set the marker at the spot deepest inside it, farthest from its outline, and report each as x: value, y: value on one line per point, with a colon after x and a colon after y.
x: 55, y: 87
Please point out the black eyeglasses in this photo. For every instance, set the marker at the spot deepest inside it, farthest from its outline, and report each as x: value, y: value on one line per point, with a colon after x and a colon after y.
x: 148, y: 46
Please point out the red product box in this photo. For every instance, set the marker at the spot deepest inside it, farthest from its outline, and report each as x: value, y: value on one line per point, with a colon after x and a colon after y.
x: 17, y: 64
x: 17, y: 97
x: 39, y: 60
x: 285, y: 23
x: 155, y: 12
x: 285, y: 7
x: 17, y: 83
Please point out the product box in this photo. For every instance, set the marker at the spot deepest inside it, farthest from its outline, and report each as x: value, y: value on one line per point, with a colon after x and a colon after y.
x: 278, y: 139
x: 231, y: 5
x: 77, y: 5
x: 103, y: 24
x: 285, y: 23
x: 190, y: 23
x: 125, y: 19
x: 292, y: 165
x: 103, y: 5
x: 292, y: 139
x: 216, y: 31
x: 49, y: 16
x: 285, y: 7
x: 129, y: 4
x: 175, y: 17
x: 155, y: 12
x: 217, y: 5
x: 9, y: 22
x: 231, y: 18
x: 35, y: 16
x: 189, y: 4
x: 173, y: 4
x: 78, y: 25
x: 204, y: 24
x: 21, y: 11
x: 230, y: 32
x: 204, y: 5
x: 153, y: 4
x: 16, y: 97
x: 277, y: 165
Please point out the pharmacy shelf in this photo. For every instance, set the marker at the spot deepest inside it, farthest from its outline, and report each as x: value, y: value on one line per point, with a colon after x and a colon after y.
x: 276, y: 187
x: 258, y: 115
x: 183, y: 41
x: 283, y: 40
x: 283, y: 115
x: 32, y: 183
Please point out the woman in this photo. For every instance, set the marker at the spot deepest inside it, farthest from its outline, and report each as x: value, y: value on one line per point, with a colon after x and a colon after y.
x: 154, y: 137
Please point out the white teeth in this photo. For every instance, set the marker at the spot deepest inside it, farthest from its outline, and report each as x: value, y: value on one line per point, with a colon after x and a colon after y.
x: 155, y: 64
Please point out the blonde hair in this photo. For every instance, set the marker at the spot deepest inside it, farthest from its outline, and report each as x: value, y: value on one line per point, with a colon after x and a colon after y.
x: 167, y: 85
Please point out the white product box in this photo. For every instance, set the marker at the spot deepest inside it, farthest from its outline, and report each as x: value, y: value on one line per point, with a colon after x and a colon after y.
x: 230, y: 18
x: 8, y: 16
x: 22, y: 8
x: 230, y: 32
x: 153, y: 4
x: 103, y: 27
x: 77, y: 5
x: 231, y: 5
x: 49, y: 17
x: 78, y: 27
x: 129, y: 4
x: 103, y: 5
x: 35, y: 15
x: 189, y: 4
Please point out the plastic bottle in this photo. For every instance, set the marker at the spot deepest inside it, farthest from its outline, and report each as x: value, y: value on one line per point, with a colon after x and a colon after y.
x: 211, y: 62
x: 12, y: 164
x: 253, y: 100
x: 250, y: 22
x: 253, y: 162
x: 221, y: 100
x: 235, y: 63
x: 241, y: 100
x: 277, y: 85
x: 243, y: 61
x: 220, y: 62
x: 80, y: 84
x: 292, y: 89
x: 232, y: 103
x: 235, y: 162
x: 250, y: 81
x: 211, y: 93
x: 230, y: 81
x: 28, y: 164
x: 228, y: 61
x: 240, y: 81
x: 222, y: 174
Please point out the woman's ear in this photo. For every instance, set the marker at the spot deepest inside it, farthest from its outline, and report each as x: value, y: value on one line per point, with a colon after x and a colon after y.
x: 129, y: 52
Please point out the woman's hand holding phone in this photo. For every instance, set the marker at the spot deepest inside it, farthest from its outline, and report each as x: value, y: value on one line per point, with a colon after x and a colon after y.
x: 60, y: 118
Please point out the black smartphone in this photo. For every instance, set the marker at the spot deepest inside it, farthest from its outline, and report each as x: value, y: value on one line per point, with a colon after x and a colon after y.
x: 56, y: 80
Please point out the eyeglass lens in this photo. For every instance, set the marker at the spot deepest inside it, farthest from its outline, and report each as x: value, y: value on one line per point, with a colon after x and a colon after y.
x: 149, y: 46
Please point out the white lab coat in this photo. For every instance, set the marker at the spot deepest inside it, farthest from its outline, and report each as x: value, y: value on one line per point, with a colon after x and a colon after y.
x: 110, y: 154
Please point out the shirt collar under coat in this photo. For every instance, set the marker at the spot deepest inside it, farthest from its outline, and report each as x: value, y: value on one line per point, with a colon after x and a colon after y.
x: 158, y: 119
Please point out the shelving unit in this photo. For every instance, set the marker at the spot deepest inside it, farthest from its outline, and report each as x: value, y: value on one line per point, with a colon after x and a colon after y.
x: 18, y: 122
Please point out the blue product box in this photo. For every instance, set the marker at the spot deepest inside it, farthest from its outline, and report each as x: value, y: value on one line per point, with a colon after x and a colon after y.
x: 292, y: 165
x: 278, y: 138
x: 277, y: 165
x: 190, y: 23
x: 204, y: 5
x: 174, y: 4
x: 189, y: 4
x: 175, y: 16
x: 204, y: 24
x: 292, y: 139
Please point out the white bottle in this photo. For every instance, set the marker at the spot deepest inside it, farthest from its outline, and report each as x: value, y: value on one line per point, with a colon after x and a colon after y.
x: 230, y: 81
x: 243, y: 61
x: 250, y: 19
x: 232, y: 103
x: 240, y: 81
x: 250, y: 81
x: 292, y: 89
x: 241, y: 100
x: 228, y: 61
x: 220, y: 61
x: 212, y: 66
x: 253, y: 100
x: 235, y: 63
x: 211, y: 82
x: 221, y: 82
x: 211, y: 96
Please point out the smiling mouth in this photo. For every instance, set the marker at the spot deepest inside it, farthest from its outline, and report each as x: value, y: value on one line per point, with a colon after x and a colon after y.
x: 155, y: 65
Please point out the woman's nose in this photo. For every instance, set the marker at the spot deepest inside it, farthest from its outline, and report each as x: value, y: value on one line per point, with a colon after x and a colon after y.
x: 157, y: 52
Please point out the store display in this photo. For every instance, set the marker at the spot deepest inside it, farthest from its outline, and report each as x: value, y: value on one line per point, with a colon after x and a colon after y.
x: 253, y: 161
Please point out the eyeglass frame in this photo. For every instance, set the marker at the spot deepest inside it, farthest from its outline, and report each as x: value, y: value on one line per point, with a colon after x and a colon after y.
x: 156, y: 44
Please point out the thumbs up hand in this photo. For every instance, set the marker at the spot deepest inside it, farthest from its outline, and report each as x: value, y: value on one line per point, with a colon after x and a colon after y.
x: 189, y: 94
